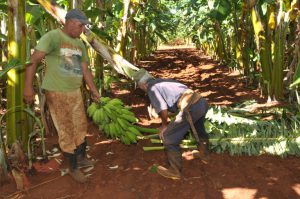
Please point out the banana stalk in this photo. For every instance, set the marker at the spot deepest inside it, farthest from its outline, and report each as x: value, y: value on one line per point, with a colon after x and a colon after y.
x: 295, y: 65
x: 242, y: 46
x: 159, y: 148
x: 17, y: 127
x: 283, y: 21
x: 122, y: 32
x: 277, y: 72
x: 262, y: 47
x: 121, y: 65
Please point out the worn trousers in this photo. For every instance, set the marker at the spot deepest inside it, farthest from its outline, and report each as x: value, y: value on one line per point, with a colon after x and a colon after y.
x: 69, y: 118
x: 177, y: 129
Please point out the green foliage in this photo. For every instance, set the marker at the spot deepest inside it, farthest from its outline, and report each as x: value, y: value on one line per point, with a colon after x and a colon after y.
x: 2, y: 36
x: 12, y: 64
x: 101, y: 33
x: 296, y: 77
x: 221, y: 10
x: 33, y: 14
x: 241, y: 134
x: 3, y: 8
x: 158, y: 20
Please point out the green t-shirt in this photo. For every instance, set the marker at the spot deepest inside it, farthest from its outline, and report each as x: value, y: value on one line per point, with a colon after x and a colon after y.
x: 64, y: 57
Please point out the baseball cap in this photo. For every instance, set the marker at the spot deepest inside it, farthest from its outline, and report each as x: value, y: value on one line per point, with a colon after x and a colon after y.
x: 77, y: 14
x: 142, y: 76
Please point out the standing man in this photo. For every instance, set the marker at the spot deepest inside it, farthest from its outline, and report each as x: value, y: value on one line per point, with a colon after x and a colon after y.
x: 67, y: 64
x: 168, y: 95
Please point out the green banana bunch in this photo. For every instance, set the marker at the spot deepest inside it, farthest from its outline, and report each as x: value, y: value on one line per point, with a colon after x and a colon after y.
x: 115, y: 120
x: 91, y: 109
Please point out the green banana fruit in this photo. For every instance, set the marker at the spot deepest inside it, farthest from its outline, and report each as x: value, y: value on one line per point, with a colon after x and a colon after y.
x: 91, y: 109
x: 116, y: 121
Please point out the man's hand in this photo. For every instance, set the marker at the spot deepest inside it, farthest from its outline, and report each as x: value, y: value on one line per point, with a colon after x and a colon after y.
x: 95, y: 96
x: 28, y: 95
x: 162, y: 129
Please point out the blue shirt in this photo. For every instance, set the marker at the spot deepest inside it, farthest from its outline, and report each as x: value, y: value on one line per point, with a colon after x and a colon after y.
x: 164, y: 94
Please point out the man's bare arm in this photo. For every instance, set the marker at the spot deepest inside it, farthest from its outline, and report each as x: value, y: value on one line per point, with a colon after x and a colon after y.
x: 35, y: 59
x: 88, y: 77
x: 164, y: 117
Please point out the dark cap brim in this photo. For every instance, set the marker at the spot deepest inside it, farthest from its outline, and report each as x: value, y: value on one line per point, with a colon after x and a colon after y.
x: 84, y: 21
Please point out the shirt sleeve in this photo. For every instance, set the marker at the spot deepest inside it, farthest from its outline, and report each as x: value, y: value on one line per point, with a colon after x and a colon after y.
x: 46, y: 43
x: 157, y: 100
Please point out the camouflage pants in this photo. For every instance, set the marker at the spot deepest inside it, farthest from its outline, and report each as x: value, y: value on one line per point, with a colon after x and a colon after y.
x: 69, y: 118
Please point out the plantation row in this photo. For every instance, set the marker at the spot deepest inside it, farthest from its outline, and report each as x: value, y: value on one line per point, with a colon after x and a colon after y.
x: 258, y: 38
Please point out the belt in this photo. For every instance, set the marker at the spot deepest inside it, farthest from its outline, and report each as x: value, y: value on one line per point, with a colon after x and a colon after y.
x: 189, y: 97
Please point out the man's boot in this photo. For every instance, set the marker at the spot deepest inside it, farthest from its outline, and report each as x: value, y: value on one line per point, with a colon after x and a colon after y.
x: 174, y: 170
x: 81, y: 156
x: 74, y: 172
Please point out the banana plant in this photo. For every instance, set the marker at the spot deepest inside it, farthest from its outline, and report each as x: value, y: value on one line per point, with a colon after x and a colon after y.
x: 16, y: 127
x: 3, y: 35
x: 122, y: 31
x: 287, y: 12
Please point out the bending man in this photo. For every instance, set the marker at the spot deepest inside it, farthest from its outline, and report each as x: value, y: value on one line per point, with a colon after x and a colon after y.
x: 168, y: 95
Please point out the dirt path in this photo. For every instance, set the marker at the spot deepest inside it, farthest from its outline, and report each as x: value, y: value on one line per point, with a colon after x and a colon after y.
x: 125, y: 171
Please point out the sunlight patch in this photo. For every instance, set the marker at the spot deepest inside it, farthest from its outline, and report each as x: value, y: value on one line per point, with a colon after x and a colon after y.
x: 296, y: 188
x: 276, y: 148
x: 147, y: 61
x: 104, y: 142
x: 178, y: 62
x: 136, y: 169
x: 208, y: 66
x: 231, y: 193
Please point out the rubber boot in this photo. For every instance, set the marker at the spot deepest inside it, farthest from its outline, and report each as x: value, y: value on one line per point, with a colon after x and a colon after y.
x: 174, y: 170
x: 82, y: 161
x: 74, y: 172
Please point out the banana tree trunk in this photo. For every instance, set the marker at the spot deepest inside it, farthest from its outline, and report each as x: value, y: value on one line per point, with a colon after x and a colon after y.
x: 16, y: 126
x: 279, y: 51
x: 235, y: 40
x: 134, y: 36
x: 293, y: 76
x: 2, y: 53
x: 142, y: 40
x: 263, y: 49
x: 243, y: 48
x: 122, y: 32
x: 121, y: 65
x: 221, y: 43
x: 295, y: 65
x: 99, y: 63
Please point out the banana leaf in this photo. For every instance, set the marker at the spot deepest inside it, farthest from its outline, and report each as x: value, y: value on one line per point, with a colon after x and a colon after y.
x: 296, y: 76
x: 12, y: 64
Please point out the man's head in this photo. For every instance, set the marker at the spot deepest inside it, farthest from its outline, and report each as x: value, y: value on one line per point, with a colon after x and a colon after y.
x: 142, y: 77
x: 75, y: 23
